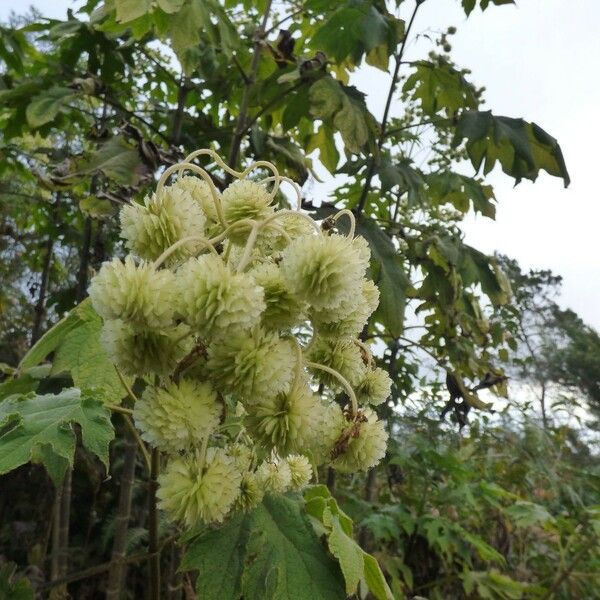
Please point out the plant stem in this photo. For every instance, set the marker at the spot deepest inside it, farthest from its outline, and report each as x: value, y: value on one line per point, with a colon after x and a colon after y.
x: 382, y: 134
x: 116, y: 573
x: 241, y: 124
x: 40, y: 307
x: 97, y: 569
x: 139, y: 441
x: 153, y: 547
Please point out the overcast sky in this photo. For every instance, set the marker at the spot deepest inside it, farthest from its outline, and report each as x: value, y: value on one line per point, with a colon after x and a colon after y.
x: 538, y: 60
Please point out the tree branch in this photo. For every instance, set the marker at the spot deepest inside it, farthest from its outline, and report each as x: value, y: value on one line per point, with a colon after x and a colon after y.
x: 241, y: 124
x: 382, y: 135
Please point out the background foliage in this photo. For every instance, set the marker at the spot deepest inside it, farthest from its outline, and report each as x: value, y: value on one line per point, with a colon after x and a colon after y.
x: 92, y: 108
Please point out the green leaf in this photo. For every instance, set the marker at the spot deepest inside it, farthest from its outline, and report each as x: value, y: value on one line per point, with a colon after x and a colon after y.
x: 128, y: 10
x: 185, y: 28
x: 219, y: 557
x: 346, y: 108
x: 82, y: 355
x: 404, y: 175
x: 440, y: 88
x: 346, y: 550
x: 50, y: 340
x: 97, y: 207
x: 12, y: 586
x: 288, y: 559
x: 271, y: 553
x: 392, y: 281
x: 492, y: 585
x: 325, y: 97
x: 375, y: 580
x: 525, y: 514
x: 43, y: 108
x: 324, y: 141
x: 469, y: 5
x: 25, y: 381
x: 523, y: 149
x: 170, y: 6
x: 41, y: 427
x: 462, y: 192
x: 117, y: 160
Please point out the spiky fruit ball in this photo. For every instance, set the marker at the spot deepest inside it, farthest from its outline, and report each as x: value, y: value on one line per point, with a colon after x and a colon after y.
x: 179, y: 416
x: 287, y: 422
x: 274, y: 476
x: 165, y: 218
x: 342, y: 355
x: 251, y: 493
x: 355, y: 314
x: 374, y: 388
x: 363, y: 446
x: 213, y: 299
x: 136, y: 293
x: 192, y: 492
x: 242, y: 200
x: 300, y: 470
x: 325, y: 271
x: 201, y: 193
x: 282, y: 308
x: 145, y: 351
x: 252, y: 365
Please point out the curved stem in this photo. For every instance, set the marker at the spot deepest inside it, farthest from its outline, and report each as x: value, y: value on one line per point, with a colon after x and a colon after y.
x: 179, y: 168
x: 294, y: 185
x: 342, y: 380
x: 348, y: 213
x: 134, y: 432
x: 119, y: 409
x: 186, y: 240
x: 282, y: 213
x: 125, y: 384
x: 248, y: 249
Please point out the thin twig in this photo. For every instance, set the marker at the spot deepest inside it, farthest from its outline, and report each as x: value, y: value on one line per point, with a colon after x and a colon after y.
x: 101, y: 568
x: 371, y: 170
x: 240, y: 127
x: 153, y: 546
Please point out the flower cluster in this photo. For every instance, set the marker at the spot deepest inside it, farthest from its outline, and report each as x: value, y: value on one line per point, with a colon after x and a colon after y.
x: 241, y: 321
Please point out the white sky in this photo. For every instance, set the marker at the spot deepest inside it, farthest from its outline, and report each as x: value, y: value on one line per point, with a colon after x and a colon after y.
x: 539, y: 60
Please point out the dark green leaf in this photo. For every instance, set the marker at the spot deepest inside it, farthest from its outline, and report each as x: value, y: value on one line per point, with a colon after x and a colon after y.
x: 521, y: 148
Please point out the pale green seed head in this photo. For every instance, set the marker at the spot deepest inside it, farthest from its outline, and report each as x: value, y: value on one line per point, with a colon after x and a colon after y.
x: 283, y: 309
x: 150, y: 228
x: 245, y: 199
x: 274, y: 476
x: 357, y: 313
x: 136, y: 293
x: 365, y: 448
x: 178, y: 417
x: 252, y: 365
x: 190, y: 495
x: 375, y: 387
x: 287, y: 422
x: 214, y: 300
x: 325, y: 271
x: 140, y: 352
x: 300, y: 470
x: 342, y: 355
